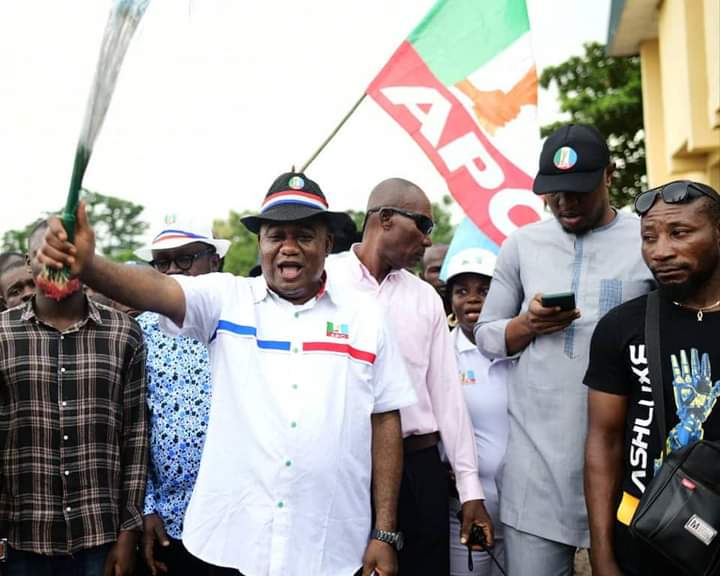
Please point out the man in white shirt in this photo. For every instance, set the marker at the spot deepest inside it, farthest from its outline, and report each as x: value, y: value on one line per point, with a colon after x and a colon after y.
x: 306, y: 391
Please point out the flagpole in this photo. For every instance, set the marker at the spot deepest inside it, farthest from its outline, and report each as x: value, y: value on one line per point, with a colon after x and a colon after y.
x: 332, y: 134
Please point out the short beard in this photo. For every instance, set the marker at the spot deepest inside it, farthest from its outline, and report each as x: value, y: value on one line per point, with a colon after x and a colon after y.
x: 686, y: 290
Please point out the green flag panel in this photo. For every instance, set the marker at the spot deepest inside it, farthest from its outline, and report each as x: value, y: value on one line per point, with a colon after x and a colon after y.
x: 458, y: 36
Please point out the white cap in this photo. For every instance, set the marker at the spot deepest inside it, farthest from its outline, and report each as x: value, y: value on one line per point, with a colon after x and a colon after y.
x: 471, y: 260
x: 174, y: 232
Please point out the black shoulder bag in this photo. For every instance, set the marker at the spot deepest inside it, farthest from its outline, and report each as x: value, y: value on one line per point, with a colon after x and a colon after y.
x: 679, y: 513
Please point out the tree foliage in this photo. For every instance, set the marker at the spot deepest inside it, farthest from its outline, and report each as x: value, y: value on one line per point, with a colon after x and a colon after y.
x: 117, y: 224
x: 242, y: 255
x: 606, y: 92
x: 444, y: 229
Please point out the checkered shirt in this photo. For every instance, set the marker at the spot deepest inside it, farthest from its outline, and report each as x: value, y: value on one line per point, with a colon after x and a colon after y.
x: 73, y: 430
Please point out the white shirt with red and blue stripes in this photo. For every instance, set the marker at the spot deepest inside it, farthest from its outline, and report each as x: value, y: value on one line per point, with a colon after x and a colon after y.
x: 284, y: 481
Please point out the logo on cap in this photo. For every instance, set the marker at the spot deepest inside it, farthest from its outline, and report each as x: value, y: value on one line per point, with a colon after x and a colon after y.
x: 296, y: 183
x: 170, y: 218
x: 565, y: 158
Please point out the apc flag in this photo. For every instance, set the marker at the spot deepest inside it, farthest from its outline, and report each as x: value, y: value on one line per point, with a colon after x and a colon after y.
x: 464, y: 87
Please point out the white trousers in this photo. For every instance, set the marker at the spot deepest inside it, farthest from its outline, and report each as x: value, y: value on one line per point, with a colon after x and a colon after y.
x: 482, y: 563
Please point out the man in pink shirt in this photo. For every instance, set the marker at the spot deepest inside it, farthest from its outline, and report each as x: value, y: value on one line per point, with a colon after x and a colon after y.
x: 397, y: 232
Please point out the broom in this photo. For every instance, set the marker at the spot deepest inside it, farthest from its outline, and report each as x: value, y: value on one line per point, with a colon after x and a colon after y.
x: 122, y: 22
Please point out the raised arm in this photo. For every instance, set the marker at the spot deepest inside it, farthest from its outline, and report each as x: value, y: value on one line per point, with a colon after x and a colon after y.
x: 138, y: 287
x: 603, y: 474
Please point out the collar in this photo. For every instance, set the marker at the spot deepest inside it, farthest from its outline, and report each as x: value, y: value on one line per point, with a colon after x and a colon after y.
x: 93, y: 312
x: 360, y: 271
x: 462, y: 343
x: 260, y: 290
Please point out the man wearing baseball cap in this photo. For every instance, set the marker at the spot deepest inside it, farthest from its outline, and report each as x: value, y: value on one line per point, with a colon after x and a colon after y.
x: 306, y: 391
x: 592, y: 250
x: 178, y: 396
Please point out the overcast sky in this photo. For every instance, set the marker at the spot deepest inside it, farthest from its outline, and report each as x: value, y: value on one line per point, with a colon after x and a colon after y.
x: 218, y: 97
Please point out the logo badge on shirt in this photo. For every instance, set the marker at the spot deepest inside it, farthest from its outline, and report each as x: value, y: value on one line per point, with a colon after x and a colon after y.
x: 468, y: 377
x: 338, y: 330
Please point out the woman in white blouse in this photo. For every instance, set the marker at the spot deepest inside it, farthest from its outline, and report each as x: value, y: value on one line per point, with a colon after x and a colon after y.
x: 483, y: 381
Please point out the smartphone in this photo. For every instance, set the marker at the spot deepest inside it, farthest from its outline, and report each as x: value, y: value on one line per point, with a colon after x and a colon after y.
x: 564, y: 300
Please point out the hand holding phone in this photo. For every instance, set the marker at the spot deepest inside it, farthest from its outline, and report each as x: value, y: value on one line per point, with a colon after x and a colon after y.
x: 549, y: 313
x: 562, y: 300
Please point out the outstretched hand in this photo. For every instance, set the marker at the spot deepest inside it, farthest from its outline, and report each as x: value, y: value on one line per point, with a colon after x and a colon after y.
x: 57, y: 251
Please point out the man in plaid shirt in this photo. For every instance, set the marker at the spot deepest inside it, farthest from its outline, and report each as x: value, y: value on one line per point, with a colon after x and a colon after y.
x: 73, y: 436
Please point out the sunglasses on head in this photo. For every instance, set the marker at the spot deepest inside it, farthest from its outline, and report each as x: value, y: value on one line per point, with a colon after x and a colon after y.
x: 182, y: 261
x: 673, y: 193
x: 423, y: 223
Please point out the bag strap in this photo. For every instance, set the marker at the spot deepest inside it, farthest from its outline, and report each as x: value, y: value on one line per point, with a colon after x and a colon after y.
x: 653, y: 353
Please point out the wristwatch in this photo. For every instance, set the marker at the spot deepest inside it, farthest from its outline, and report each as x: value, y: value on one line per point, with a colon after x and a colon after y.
x: 395, y: 539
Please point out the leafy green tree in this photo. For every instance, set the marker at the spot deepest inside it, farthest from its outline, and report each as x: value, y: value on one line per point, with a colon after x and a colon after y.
x: 117, y: 225
x: 443, y: 230
x: 242, y: 255
x: 16, y: 240
x: 606, y: 92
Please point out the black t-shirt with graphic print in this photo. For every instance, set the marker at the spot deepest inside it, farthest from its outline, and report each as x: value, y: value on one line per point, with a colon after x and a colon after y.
x: 690, y: 357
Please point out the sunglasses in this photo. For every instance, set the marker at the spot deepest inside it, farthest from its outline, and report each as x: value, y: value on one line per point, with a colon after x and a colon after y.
x: 673, y: 193
x: 182, y: 261
x: 423, y: 223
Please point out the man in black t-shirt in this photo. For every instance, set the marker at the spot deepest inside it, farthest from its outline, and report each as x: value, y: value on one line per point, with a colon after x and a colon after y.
x: 681, y: 245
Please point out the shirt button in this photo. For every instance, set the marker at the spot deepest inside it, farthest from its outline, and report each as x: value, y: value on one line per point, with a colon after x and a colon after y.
x: 68, y: 509
x: 281, y: 504
x: 288, y: 463
x: 62, y: 370
x: 66, y: 437
x: 294, y: 386
x: 62, y: 337
x: 297, y: 314
x: 293, y: 424
x: 295, y: 350
x: 64, y: 403
x: 67, y: 472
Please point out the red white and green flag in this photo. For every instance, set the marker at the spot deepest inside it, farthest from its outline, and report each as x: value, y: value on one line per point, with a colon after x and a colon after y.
x: 464, y: 87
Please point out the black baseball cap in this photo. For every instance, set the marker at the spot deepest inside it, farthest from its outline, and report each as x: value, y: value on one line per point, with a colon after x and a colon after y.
x: 573, y: 159
x: 292, y: 197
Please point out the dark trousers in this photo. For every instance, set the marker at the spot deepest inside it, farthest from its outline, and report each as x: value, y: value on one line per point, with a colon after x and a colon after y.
x: 180, y: 562
x: 423, y: 515
x: 90, y: 562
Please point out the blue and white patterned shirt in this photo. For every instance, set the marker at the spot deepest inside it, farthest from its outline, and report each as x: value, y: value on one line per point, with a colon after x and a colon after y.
x: 179, y: 389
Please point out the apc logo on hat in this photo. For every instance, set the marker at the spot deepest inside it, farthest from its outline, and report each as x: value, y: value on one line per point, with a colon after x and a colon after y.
x: 565, y: 158
x: 170, y: 218
x: 296, y: 183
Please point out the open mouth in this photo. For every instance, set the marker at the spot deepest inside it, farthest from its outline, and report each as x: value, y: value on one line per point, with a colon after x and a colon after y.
x: 290, y: 271
x: 472, y: 314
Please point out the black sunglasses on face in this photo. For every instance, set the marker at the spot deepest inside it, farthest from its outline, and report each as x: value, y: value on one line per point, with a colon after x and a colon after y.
x: 673, y: 193
x: 423, y: 223
x: 182, y: 261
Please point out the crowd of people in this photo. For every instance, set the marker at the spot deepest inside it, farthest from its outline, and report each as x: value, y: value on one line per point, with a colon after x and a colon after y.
x: 381, y: 408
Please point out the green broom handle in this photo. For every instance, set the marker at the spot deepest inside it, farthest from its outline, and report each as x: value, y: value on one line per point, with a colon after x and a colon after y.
x: 82, y: 156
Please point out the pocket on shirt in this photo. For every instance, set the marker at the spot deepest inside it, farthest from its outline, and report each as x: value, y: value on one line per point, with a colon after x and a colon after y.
x: 614, y: 292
